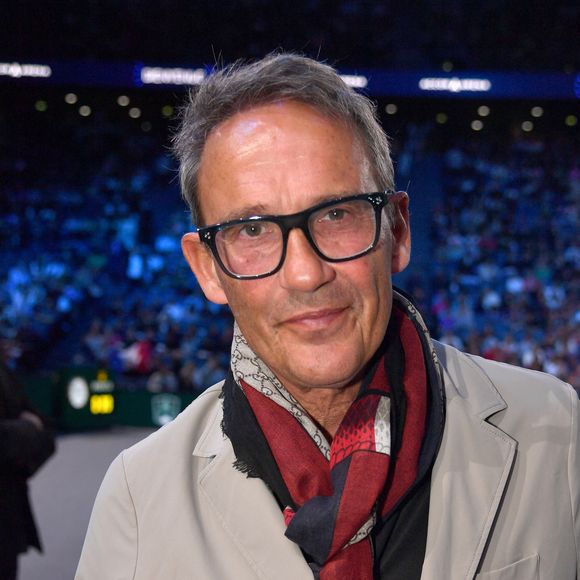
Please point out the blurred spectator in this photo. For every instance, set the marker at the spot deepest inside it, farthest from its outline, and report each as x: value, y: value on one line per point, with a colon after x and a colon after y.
x: 25, y: 444
x: 209, y: 373
x: 163, y: 380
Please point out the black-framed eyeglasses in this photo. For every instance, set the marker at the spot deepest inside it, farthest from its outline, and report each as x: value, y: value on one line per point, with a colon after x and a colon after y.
x: 338, y: 230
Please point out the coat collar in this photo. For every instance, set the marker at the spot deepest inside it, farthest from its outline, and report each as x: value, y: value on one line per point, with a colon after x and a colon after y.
x: 470, y: 473
x: 212, y: 439
x: 461, y: 375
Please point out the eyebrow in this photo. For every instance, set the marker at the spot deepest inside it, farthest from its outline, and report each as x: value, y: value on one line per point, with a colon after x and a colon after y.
x: 246, y: 212
x: 260, y: 209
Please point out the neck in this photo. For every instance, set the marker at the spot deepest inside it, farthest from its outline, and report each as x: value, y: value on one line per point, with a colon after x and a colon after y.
x: 327, y: 407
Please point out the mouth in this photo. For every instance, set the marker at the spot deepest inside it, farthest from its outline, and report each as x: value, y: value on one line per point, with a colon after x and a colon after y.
x: 316, y: 319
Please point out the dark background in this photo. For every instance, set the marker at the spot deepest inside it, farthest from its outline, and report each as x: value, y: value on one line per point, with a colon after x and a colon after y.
x: 493, y: 34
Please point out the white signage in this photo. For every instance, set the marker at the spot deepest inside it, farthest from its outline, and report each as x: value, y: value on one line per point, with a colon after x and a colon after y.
x: 355, y: 81
x: 454, y: 85
x: 171, y: 76
x: 78, y: 392
x: 18, y: 70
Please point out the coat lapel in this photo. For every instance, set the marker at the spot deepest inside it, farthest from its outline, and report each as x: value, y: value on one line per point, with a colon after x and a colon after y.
x: 470, y: 474
x: 247, y: 510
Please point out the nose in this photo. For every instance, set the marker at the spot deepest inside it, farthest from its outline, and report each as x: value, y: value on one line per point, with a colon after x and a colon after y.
x: 303, y: 270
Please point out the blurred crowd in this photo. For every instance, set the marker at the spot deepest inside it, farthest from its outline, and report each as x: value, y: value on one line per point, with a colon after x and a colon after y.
x: 506, y: 282
x: 92, y: 272
x: 157, y: 331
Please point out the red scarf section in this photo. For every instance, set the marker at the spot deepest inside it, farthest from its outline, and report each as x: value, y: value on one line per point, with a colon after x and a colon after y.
x: 336, y: 498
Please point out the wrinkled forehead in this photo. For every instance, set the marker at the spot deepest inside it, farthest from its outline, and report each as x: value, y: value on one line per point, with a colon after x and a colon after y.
x: 278, y: 118
x: 282, y: 148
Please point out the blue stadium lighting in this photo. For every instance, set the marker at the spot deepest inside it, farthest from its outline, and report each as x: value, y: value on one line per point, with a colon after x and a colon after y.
x: 376, y: 82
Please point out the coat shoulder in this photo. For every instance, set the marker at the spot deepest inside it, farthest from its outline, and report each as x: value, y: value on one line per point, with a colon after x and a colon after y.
x: 525, y: 391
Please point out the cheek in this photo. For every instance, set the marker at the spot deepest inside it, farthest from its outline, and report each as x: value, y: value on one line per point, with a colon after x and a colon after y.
x: 249, y: 301
x: 375, y: 288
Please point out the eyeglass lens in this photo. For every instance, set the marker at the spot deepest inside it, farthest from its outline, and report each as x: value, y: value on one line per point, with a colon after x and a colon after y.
x: 339, y: 231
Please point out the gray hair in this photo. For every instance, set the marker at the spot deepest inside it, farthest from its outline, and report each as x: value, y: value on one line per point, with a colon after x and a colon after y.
x: 277, y: 77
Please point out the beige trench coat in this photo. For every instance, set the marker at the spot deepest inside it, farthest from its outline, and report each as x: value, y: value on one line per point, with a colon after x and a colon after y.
x: 504, y: 492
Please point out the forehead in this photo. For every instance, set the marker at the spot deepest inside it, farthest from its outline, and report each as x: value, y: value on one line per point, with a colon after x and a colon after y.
x: 281, y: 156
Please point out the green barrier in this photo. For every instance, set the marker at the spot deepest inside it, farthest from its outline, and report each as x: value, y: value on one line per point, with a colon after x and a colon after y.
x: 88, y: 398
x: 41, y: 390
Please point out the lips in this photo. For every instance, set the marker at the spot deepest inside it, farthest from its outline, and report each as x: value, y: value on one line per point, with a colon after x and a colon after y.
x: 316, y: 319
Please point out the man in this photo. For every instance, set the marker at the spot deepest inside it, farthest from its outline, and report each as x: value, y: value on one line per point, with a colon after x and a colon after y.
x: 25, y: 444
x: 345, y: 443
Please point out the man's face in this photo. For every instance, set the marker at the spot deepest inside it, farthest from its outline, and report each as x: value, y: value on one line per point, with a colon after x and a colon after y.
x: 314, y: 323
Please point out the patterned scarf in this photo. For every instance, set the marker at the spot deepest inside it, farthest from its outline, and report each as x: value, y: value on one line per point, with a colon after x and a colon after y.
x: 333, y: 493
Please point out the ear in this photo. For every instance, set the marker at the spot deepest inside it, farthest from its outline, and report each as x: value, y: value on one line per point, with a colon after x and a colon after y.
x: 401, y: 233
x: 202, y: 264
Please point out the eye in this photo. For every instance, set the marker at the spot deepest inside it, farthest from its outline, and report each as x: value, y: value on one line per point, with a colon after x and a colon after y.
x: 252, y: 230
x: 335, y: 214
x: 343, y: 215
x: 249, y: 232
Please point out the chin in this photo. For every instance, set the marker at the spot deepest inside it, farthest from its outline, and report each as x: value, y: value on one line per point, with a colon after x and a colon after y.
x: 334, y: 373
